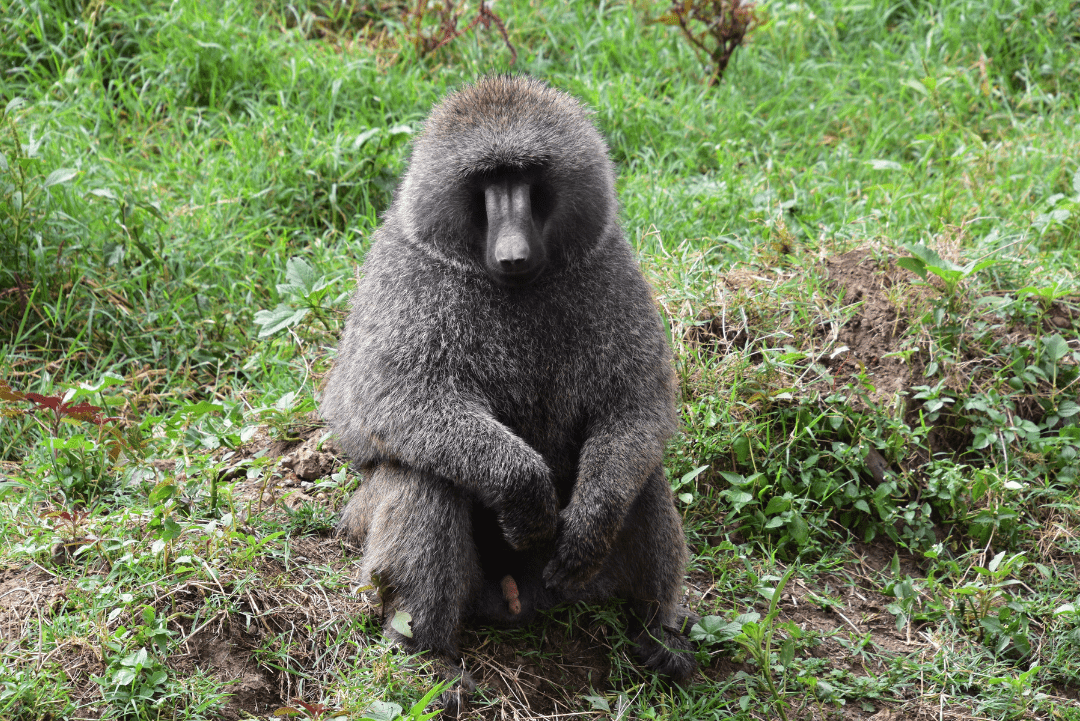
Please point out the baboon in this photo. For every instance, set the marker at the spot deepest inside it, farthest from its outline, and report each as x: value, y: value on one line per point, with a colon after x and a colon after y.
x: 504, y: 382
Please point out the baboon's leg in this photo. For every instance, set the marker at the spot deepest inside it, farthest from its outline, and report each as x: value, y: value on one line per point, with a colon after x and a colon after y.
x: 419, y: 545
x: 646, y: 568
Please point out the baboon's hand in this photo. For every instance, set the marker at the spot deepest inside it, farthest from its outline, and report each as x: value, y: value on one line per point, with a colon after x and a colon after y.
x: 575, y: 562
x: 529, y: 514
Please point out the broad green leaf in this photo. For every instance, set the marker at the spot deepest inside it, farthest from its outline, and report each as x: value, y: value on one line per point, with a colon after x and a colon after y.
x: 598, y: 703
x: 278, y: 319
x: 799, y: 529
x: 787, y: 652
x: 1056, y: 347
x: 916, y: 86
x: 915, y: 265
x: 382, y: 711
x: 742, y: 448
x: 400, y: 623
x: 170, y: 529
x: 202, y: 408
x: 928, y: 256
x: 1068, y: 409
x: 884, y: 165
x: 162, y: 492
x: 300, y: 275
x: 687, y: 477
x: 60, y: 175
x: 365, y: 136
x: 714, y: 629
x: 777, y: 504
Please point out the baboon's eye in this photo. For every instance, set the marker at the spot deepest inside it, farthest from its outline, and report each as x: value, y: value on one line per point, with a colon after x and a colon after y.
x: 542, y: 201
x: 478, y: 211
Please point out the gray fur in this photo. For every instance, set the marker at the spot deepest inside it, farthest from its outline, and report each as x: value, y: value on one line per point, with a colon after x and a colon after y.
x: 509, y: 429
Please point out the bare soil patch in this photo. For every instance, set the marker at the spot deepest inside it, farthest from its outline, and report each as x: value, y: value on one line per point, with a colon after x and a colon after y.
x: 873, y: 334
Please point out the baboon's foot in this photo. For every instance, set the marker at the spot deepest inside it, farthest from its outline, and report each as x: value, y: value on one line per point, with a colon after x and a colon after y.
x: 454, y: 701
x: 668, y: 654
x: 684, y: 621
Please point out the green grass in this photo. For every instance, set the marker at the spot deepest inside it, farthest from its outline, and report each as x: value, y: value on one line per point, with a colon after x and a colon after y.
x: 186, y: 189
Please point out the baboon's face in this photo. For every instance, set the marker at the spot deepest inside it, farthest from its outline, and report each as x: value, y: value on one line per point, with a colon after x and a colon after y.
x: 510, y: 179
x: 510, y: 212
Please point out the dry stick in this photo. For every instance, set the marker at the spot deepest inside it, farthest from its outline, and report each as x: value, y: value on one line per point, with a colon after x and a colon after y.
x: 204, y: 625
x: 326, y: 598
x: 258, y: 614
x: 212, y: 576
x: 512, y: 684
x: 623, y: 707
x: 848, y: 621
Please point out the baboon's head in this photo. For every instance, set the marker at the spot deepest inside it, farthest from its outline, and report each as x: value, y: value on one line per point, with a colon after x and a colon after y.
x: 509, y: 178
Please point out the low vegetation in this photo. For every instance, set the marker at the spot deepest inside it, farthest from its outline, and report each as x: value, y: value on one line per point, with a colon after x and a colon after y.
x: 863, y: 241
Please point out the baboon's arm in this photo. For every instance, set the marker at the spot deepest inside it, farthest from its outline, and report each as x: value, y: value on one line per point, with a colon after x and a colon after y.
x: 456, y: 438
x: 615, y: 462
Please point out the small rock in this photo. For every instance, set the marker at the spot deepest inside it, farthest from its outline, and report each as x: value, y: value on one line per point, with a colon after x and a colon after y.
x: 876, y: 464
x: 1060, y: 321
x: 296, y: 499
x: 310, y: 465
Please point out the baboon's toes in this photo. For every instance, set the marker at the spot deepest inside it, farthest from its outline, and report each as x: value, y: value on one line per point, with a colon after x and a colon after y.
x: 684, y: 620
x: 667, y: 654
x: 454, y: 701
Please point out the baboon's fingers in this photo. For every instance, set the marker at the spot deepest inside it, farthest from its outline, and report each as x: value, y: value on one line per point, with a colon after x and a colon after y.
x: 565, y: 573
x: 531, y: 523
x: 523, y: 537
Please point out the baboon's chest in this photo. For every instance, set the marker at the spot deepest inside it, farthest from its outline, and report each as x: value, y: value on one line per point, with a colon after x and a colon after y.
x: 554, y: 423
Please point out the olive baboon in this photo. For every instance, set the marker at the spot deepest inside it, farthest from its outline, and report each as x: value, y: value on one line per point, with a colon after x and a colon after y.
x: 505, y: 383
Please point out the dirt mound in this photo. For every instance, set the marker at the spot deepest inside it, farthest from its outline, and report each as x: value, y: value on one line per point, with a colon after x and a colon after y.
x: 873, y: 334
x: 858, y: 319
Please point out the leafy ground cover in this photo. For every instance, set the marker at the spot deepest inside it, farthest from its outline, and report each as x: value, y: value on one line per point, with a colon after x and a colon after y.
x: 863, y: 241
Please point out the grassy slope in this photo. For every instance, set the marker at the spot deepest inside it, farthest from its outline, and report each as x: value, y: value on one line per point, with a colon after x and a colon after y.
x: 211, y: 146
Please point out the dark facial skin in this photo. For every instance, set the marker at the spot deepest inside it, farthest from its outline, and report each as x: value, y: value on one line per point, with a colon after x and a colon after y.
x: 515, y: 252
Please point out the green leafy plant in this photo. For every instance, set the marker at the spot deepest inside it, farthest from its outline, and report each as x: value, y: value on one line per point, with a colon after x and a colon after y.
x: 1021, y: 688
x: 754, y: 636
x: 284, y: 414
x: 51, y: 413
x: 82, y: 463
x: 1003, y: 621
x: 925, y: 261
x: 26, y: 210
x: 306, y: 291
x: 1061, y: 210
x: 135, y: 681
